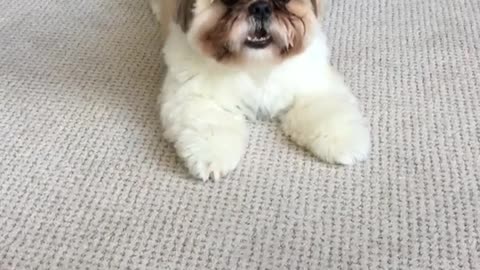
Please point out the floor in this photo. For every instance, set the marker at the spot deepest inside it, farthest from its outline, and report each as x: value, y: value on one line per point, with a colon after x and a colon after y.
x: 87, y: 182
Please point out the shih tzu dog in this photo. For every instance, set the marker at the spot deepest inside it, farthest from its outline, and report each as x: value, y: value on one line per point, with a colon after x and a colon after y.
x: 233, y: 60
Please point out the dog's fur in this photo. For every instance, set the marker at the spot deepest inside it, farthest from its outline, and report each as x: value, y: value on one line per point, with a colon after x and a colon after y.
x: 215, y: 81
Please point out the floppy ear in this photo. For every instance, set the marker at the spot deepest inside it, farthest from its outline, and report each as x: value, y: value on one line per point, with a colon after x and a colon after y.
x: 184, y: 13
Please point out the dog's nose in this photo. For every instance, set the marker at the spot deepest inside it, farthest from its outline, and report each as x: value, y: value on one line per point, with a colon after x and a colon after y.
x: 260, y: 10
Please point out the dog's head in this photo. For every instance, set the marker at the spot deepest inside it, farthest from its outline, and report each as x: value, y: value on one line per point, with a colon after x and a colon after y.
x: 242, y: 31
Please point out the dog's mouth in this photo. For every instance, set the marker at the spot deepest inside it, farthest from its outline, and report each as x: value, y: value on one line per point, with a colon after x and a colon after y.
x: 258, y: 39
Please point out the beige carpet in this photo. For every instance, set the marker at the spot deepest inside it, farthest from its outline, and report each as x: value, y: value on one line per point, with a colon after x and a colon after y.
x: 86, y: 180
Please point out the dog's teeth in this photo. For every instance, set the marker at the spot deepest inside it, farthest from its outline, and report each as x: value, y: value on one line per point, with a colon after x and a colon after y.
x: 257, y: 39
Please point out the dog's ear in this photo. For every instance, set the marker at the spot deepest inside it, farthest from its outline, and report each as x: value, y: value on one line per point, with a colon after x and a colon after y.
x: 184, y: 13
x: 319, y: 7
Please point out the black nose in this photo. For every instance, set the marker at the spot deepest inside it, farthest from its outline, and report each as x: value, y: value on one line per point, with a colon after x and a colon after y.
x: 260, y: 10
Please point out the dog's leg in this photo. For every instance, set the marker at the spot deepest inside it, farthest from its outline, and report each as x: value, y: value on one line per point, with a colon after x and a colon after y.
x: 209, y: 139
x: 329, y: 123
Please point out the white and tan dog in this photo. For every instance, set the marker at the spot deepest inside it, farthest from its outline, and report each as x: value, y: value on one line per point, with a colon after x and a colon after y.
x: 232, y: 60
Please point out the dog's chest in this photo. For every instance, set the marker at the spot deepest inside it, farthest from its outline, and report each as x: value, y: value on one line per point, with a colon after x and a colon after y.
x: 265, y: 96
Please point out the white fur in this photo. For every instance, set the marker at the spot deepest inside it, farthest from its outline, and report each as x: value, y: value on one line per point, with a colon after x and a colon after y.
x: 203, y: 106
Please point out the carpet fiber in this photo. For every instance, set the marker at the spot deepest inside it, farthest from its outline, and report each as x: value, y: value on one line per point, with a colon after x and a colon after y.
x: 86, y: 180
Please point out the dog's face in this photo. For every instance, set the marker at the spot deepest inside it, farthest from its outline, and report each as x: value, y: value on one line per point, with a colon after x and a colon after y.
x: 243, y: 31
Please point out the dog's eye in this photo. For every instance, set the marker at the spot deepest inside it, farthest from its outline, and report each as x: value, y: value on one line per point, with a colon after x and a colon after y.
x: 229, y: 3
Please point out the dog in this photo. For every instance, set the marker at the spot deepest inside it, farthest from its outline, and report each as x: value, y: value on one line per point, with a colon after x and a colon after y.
x: 230, y: 61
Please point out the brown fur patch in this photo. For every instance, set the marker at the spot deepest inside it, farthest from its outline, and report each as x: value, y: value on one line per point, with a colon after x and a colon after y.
x: 291, y: 27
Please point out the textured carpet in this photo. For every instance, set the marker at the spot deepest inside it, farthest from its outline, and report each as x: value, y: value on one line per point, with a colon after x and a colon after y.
x: 86, y: 180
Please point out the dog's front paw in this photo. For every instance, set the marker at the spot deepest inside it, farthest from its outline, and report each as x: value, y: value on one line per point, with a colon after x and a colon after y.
x: 341, y: 143
x: 211, y: 156
x: 213, y: 164
x: 333, y: 129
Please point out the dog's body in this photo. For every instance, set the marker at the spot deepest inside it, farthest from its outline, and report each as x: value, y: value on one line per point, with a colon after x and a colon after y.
x: 204, y: 101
